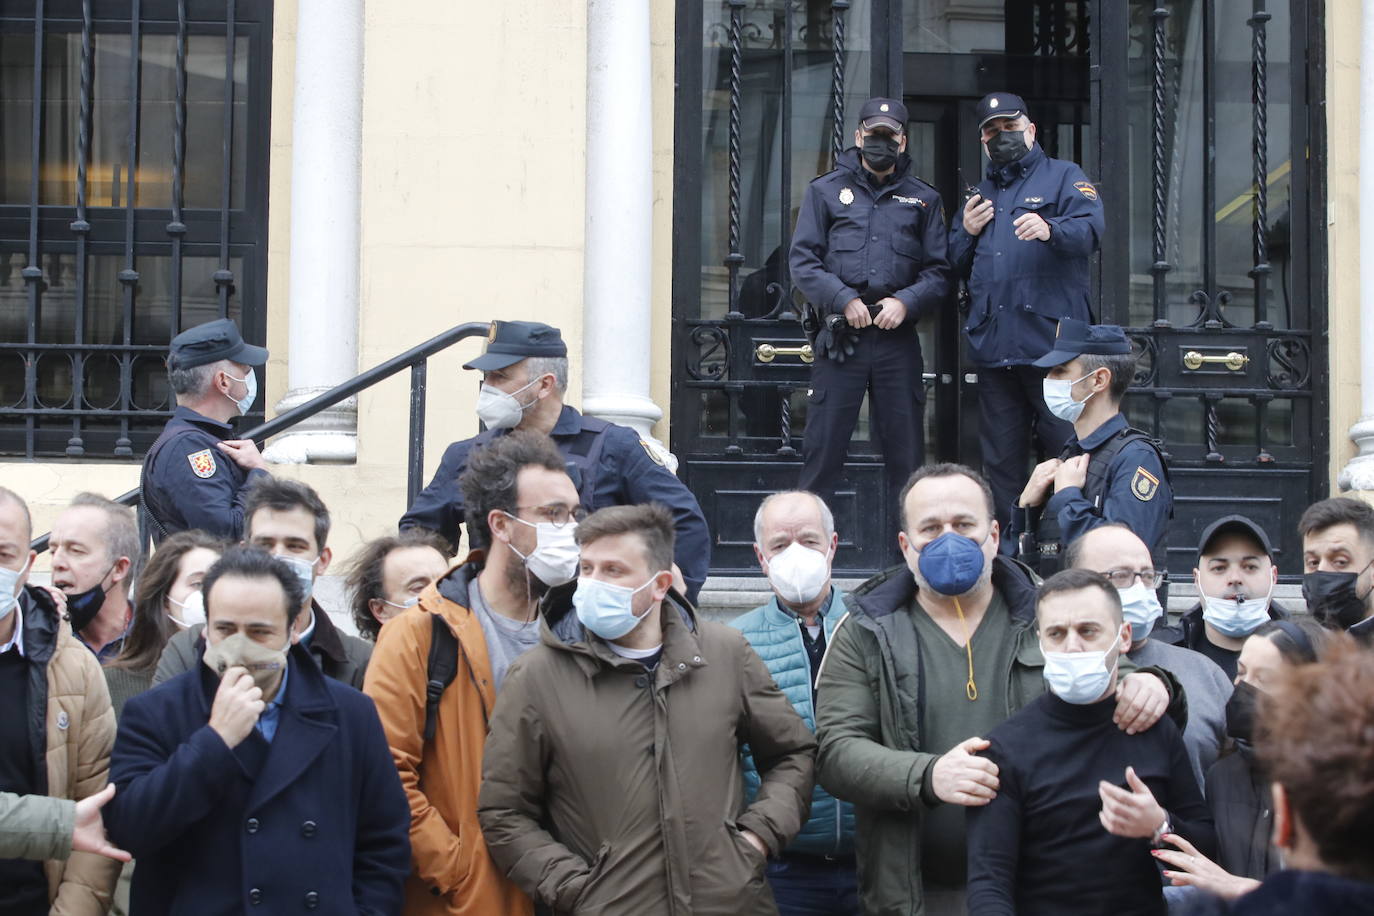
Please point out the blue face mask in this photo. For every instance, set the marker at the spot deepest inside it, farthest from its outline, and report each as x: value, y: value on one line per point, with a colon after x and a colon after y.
x: 1078, y: 677
x: 605, y: 609
x: 304, y: 570
x: 952, y: 564
x: 1140, y: 607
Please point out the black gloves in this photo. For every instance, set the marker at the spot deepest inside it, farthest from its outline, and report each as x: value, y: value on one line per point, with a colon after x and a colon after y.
x: 836, y: 339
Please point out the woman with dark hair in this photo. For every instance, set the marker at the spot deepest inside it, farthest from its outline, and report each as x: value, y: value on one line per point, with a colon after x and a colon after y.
x: 166, y: 600
x: 1237, y: 787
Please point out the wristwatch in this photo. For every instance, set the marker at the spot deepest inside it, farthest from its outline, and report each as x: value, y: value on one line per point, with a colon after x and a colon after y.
x: 1156, y: 838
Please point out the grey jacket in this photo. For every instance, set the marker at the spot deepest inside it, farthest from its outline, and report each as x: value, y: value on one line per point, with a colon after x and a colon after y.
x: 35, y: 826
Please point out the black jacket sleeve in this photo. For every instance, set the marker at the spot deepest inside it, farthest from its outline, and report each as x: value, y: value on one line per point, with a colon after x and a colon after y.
x: 823, y: 289
x: 439, y: 506
x: 931, y: 288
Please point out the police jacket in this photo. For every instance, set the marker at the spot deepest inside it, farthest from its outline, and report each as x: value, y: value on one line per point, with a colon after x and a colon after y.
x: 856, y: 239
x: 610, y: 465
x: 189, y: 483
x: 1020, y: 290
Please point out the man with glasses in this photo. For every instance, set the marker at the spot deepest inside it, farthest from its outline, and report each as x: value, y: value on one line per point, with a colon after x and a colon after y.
x: 1116, y: 552
x: 471, y: 625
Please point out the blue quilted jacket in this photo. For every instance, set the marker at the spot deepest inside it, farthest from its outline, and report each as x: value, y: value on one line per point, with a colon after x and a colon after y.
x: 777, y: 638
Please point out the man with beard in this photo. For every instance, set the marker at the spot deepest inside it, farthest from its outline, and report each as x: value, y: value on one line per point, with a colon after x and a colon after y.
x: 930, y: 657
x: 1337, y: 555
x: 474, y: 622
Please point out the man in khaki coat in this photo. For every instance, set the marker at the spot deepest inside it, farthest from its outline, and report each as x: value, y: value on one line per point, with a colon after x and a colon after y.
x: 611, y: 781
x: 58, y: 736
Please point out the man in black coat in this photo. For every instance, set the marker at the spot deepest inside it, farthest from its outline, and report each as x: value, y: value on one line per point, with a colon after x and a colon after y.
x: 254, y: 782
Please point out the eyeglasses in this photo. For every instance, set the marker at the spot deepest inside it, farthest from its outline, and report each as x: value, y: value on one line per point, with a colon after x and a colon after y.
x: 1125, y: 578
x: 556, y: 514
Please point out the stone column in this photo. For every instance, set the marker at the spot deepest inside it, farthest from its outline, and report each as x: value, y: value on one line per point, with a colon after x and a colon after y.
x: 1359, y: 473
x: 618, y: 260
x: 326, y: 155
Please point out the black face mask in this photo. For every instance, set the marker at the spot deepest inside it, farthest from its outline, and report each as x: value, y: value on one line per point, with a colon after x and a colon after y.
x: 1332, y: 599
x: 880, y: 152
x: 1240, y: 712
x: 82, y: 608
x: 1006, y: 146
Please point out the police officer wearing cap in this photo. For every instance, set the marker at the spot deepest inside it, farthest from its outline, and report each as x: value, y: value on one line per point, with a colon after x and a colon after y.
x: 524, y: 380
x: 195, y: 475
x: 1023, y: 242
x: 1108, y: 471
x: 869, y: 255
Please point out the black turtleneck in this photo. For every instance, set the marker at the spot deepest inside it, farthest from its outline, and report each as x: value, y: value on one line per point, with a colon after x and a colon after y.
x: 1039, y: 848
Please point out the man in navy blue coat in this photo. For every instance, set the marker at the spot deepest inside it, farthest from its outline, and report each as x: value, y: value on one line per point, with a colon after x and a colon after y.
x: 254, y: 783
x: 1023, y: 242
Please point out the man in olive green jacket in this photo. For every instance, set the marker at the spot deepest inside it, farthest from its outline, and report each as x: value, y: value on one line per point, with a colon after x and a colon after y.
x: 42, y: 827
x: 612, y: 782
x: 930, y: 657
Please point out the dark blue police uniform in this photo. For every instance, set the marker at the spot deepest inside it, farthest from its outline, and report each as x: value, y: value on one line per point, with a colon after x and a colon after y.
x: 857, y: 238
x: 1018, y: 291
x: 610, y: 466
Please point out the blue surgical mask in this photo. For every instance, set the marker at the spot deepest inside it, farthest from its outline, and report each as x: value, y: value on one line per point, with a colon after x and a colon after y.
x: 251, y: 380
x: 9, y: 588
x: 1140, y: 607
x: 304, y: 570
x: 1235, y: 617
x: 952, y: 564
x: 1059, y: 398
x: 605, y: 609
x: 1078, y: 677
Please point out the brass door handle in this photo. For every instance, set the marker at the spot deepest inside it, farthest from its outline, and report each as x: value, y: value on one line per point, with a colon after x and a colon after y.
x: 1234, y: 361
x: 766, y: 353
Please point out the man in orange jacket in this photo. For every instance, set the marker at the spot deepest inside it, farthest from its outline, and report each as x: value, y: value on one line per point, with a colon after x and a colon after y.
x: 524, y: 506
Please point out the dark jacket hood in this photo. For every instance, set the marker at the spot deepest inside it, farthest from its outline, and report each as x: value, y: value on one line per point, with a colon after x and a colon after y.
x: 42, y: 621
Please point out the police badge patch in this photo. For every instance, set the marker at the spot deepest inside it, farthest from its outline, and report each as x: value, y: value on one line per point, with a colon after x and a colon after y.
x: 202, y: 463
x: 653, y: 454
x: 846, y: 196
x: 1086, y: 189
x: 1144, y: 485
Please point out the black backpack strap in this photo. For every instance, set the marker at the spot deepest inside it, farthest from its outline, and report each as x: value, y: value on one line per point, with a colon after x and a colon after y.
x: 440, y: 671
x: 1095, y: 487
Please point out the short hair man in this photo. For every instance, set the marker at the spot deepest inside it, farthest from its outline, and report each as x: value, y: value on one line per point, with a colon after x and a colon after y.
x: 1116, y: 552
x: 929, y: 658
x: 287, y: 519
x: 254, y: 780
x: 795, y: 542
x: 1235, y: 578
x: 524, y: 381
x: 520, y: 500
x: 195, y: 474
x: 388, y: 575
x: 95, y: 552
x: 1337, y: 556
x: 1080, y: 802
x: 1108, y: 471
x: 615, y: 745
x: 56, y: 732
x: 1024, y: 241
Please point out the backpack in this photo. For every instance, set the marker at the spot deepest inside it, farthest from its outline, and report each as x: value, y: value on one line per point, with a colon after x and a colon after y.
x: 439, y: 671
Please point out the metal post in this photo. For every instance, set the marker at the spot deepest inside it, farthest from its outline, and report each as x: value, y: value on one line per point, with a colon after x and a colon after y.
x: 177, y: 227
x: 1160, y: 267
x: 1259, y: 78
x: 128, y: 277
x: 224, y: 277
x: 1215, y: 299
x: 33, y: 270
x: 837, y: 11
x: 81, y: 226
x: 419, y: 377
x: 735, y: 258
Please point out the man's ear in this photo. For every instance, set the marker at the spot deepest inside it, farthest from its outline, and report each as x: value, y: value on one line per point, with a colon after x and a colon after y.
x: 498, y: 524
x: 374, y: 607
x: 1197, y: 579
x: 1273, y: 573
x: 903, y: 542
x: 995, y: 533
x: 763, y: 561
x: 901, y: 144
x: 120, y: 571
x: 1125, y: 637
x: 322, y: 563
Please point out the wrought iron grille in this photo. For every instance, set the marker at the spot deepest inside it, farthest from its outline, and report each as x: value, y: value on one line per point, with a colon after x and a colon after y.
x: 133, y: 185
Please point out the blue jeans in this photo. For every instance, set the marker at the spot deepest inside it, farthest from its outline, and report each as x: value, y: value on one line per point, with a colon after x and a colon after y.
x: 803, y: 886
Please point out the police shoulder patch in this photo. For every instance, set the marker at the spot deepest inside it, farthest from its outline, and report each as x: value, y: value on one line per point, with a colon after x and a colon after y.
x: 1086, y: 189
x: 202, y: 463
x: 1144, y: 485
x: 653, y: 454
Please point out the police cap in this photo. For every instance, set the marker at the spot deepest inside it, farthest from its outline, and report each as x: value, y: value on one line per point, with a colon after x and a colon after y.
x: 1000, y: 105
x: 211, y: 342
x: 1233, y: 524
x: 889, y: 113
x: 1075, y: 338
x: 511, y: 341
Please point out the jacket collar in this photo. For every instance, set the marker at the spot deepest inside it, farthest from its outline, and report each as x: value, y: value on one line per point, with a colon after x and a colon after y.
x: 1004, y: 175
x: 326, y: 639
x: 41, y: 623
x: 894, y: 589
x: 569, y: 422
x: 775, y: 615
x: 852, y: 161
x: 1113, y: 425
x: 223, y: 430
x: 563, y: 632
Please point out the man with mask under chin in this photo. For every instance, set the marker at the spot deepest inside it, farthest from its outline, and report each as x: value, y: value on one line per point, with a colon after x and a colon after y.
x: 253, y: 781
x: 1337, y: 559
x: 524, y: 382
x: 1023, y: 242
x: 95, y: 549
x: 868, y: 253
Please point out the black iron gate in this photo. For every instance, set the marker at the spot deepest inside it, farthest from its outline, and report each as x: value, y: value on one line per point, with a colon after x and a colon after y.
x: 1202, y: 124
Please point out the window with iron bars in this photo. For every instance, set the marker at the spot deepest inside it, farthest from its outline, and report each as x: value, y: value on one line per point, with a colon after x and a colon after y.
x: 133, y: 205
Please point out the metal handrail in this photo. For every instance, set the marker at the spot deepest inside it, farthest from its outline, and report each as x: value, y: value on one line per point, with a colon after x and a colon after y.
x: 416, y: 359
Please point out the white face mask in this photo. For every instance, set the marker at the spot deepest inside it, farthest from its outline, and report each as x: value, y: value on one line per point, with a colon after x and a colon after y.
x: 556, y: 556
x: 304, y: 570
x: 499, y: 410
x: 192, y: 610
x: 798, y: 573
x: 1140, y: 607
x: 9, y: 588
x: 1059, y: 398
x: 1078, y: 677
x: 251, y: 380
x: 1236, y: 618
x: 405, y: 605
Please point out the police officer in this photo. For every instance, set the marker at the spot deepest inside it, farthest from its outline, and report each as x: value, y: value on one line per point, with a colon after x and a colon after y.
x: 195, y: 474
x: 869, y: 255
x: 1108, y: 471
x: 1023, y: 242
x: 524, y: 379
